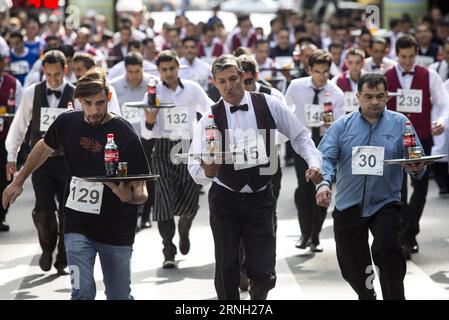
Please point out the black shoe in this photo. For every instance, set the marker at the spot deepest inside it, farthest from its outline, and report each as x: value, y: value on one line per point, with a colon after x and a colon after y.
x: 45, y: 261
x: 444, y: 193
x: 169, y: 252
x: 316, y: 247
x: 414, y: 248
x: 406, y: 251
x: 62, y: 271
x: 244, y: 282
x: 3, y: 226
x: 302, y: 243
x: 184, y: 224
x: 145, y: 224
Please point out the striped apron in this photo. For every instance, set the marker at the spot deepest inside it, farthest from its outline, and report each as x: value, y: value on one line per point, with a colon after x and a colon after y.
x: 176, y: 192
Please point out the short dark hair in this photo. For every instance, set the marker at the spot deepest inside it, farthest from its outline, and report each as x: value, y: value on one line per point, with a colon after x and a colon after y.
x: 372, y: 80
x: 337, y: 45
x: 261, y: 41
x: 147, y: 40
x: 406, y: 41
x: 135, y: 44
x: 54, y: 56
x: 16, y: 34
x: 378, y: 40
x: 248, y: 63
x: 320, y: 57
x: 91, y: 83
x: 133, y: 58
x: 354, y: 51
x: 167, y: 56
x: 189, y: 39
x: 85, y: 58
x: 241, y: 51
x: 67, y: 50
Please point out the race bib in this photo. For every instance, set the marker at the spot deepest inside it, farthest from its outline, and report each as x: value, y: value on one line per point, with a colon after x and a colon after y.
x: 133, y: 115
x: 409, y: 101
x: 20, y: 67
x: 313, y: 114
x: 176, y: 118
x: 48, y: 116
x: 85, y: 196
x: 367, y: 160
x: 248, y: 152
x: 351, y: 102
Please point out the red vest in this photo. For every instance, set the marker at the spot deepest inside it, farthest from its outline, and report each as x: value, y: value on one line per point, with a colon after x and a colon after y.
x: 343, y: 83
x: 421, y: 80
x: 8, y: 83
x: 216, y: 51
x: 237, y: 43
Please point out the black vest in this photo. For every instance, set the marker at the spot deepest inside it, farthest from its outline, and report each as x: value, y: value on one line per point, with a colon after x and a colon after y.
x: 40, y: 101
x: 236, y: 180
x: 265, y: 89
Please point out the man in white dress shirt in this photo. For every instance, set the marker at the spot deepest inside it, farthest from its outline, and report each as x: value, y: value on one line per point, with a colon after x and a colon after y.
x: 241, y: 200
x: 378, y: 62
x: 176, y: 194
x: 41, y: 104
x: 442, y: 66
x: 306, y: 97
x: 196, y: 69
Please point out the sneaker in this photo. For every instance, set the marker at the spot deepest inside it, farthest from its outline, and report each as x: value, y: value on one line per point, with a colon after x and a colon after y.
x: 62, y: 271
x: 145, y: 224
x: 184, y: 224
x: 316, y: 247
x: 45, y: 261
x: 3, y: 226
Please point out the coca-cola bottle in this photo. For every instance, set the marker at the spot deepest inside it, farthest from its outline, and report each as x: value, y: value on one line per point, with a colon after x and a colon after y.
x: 111, y: 157
x: 151, y: 90
x: 328, y: 115
x: 11, y: 102
x: 212, y: 139
x: 409, y: 140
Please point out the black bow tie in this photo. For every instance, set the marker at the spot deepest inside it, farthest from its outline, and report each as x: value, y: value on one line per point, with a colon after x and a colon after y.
x: 404, y: 73
x: 55, y: 92
x: 374, y: 67
x: 243, y: 107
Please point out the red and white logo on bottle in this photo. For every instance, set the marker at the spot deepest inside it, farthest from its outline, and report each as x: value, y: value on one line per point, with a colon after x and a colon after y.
x: 111, y: 155
x: 151, y: 89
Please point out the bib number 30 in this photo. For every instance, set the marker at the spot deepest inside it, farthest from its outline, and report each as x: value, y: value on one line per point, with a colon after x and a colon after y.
x: 368, y: 160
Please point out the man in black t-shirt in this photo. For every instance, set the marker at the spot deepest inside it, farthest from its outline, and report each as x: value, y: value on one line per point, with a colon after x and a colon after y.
x: 97, y: 219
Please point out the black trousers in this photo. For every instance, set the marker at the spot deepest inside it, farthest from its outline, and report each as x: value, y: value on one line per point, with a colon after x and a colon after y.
x: 246, y: 217
x: 353, y: 252
x: 49, y: 184
x: 441, y: 174
x: 310, y: 215
x: 3, y: 182
x: 148, y: 146
x: 413, y: 209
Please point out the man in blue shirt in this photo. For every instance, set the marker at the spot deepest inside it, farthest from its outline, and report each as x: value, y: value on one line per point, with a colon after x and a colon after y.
x: 369, y: 192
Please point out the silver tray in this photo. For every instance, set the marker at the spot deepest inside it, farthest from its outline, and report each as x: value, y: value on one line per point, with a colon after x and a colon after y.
x: 142, y: 104
x: 422, y: 159
x: 132, y: 177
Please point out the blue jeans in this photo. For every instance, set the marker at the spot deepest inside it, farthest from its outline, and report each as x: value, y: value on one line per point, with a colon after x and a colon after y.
x: 115, y: 263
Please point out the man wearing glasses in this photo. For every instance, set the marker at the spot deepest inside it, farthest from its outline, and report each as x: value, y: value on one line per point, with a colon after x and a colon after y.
x: 306, y: 97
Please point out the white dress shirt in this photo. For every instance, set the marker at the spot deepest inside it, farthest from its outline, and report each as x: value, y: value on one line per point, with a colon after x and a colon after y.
x: 199, y: 71
x: 441, y: 142
x: 442, y: 68
x: 191, y: 96
x: 300, y: 93
x: 386, y: 62
x: 240, y: 121
x: 438, y: 93
x: 119, y: 69
x: 22, y: 119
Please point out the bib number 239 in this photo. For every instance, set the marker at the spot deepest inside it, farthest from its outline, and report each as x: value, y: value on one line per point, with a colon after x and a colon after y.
x: 85, y: 196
